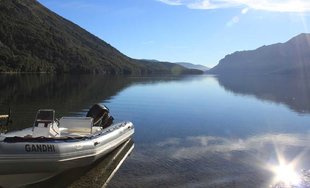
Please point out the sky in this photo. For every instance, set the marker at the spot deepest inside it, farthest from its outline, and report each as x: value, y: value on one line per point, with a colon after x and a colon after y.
x: 196, y: 31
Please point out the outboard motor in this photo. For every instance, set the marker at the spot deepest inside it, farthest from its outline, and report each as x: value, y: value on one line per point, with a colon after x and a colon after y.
x: 100, y: 114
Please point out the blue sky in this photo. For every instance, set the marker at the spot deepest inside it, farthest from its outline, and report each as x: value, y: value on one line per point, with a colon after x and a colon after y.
x: 195, y: 31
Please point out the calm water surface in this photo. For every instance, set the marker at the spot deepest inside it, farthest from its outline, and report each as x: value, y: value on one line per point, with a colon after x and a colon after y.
x: 192, y: 131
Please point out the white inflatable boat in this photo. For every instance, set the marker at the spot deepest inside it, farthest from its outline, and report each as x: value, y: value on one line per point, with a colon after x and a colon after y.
x: 52, y: 146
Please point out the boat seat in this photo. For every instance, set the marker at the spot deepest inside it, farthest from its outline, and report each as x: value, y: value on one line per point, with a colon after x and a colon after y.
x: 79, y: 125
x: 42, y: 123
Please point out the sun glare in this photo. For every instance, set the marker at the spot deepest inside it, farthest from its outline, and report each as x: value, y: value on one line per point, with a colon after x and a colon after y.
x: 286, y: 174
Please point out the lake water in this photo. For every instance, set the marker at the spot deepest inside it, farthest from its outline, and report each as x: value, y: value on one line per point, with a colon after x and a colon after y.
x: 191, y: 131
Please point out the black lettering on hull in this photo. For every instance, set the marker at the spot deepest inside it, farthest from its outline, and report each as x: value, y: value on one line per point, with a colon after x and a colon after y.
x: 40, y: 148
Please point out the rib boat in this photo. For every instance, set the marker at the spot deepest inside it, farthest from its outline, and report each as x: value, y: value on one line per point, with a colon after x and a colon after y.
x: 51, y: 146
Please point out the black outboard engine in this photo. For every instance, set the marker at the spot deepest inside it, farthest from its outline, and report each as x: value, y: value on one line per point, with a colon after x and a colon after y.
x: 100, y: 114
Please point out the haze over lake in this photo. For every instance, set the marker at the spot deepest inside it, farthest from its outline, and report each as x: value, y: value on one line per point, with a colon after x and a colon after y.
x: 191, y: 131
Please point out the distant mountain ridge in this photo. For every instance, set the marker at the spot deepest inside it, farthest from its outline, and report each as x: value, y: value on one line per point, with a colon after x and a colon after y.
x: 183, y: 64
x: 35, y: 39
x: 193, y: 66
x: 292, y: 56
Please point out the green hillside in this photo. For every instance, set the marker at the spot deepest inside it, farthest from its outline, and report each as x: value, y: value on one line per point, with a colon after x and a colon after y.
x: 35, y: 39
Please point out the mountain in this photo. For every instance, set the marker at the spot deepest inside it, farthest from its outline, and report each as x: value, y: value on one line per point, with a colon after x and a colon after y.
x: 35, y: 39
x: 193, y: 66
x: 292, y: 57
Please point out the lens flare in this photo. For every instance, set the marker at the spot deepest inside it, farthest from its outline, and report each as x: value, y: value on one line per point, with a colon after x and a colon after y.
x: 286, y: 174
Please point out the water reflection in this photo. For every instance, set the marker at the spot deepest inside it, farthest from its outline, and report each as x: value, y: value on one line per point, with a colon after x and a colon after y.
x: 190, y: 132
x: 67, y: 94
x: 208, y: 161
x: 291, y: 90
x: 285, y: 174
x: 96, y: 175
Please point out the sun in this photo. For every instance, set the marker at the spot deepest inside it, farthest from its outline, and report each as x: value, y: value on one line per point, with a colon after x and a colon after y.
x: 286, y: 174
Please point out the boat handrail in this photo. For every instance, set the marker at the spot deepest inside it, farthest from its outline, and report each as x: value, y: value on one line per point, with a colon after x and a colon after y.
x: 42, y: 139
x: 44, y: 120
x: 4, y: 116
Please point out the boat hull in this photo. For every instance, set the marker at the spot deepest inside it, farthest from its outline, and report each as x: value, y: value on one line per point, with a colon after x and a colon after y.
x: 97, y: 174
x: 55, y: 156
